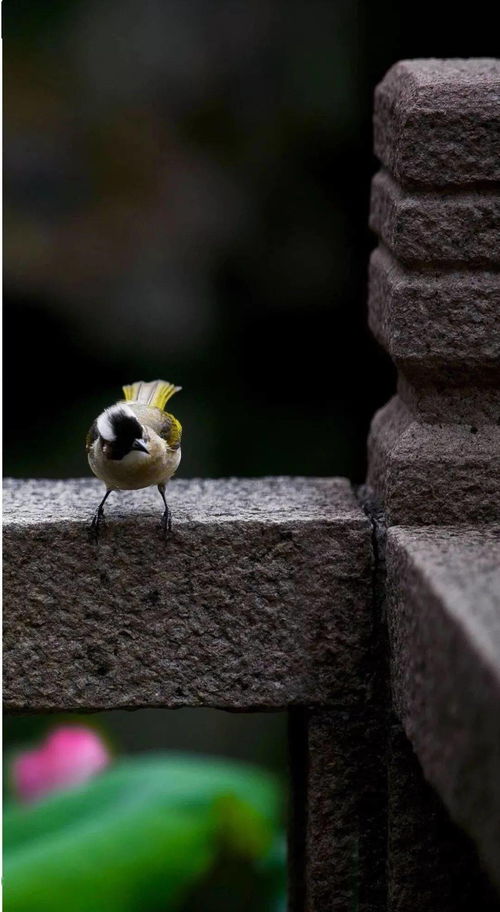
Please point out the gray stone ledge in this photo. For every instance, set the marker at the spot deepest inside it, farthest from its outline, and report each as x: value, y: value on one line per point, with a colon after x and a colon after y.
x: 437, y: 228
x: 433, y: 474
x: 436, y: 121
x: 441, y: 328
x: 261, y: 599
x: 444, y: 622
x: 39, y: 500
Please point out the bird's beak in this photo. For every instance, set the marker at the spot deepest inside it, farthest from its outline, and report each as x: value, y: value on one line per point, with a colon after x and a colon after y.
x: 140, y: 445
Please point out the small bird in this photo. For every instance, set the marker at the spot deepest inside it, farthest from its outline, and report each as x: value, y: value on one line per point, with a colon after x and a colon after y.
x: 134, y: 444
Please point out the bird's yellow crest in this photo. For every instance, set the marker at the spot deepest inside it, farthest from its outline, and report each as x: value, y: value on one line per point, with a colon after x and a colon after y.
x: 156, y: 393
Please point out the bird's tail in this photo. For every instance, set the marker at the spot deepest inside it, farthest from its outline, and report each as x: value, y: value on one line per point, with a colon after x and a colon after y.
x: 156, y: 393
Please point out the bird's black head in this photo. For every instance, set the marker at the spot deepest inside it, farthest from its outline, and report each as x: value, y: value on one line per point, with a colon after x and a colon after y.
x: 120, y: 431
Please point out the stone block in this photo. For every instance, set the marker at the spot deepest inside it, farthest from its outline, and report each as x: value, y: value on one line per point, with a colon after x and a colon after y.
x: 429, y: 229
x: 428, y: 856
x: 261, y: 598
x: 444, y: 624
x: 345, y: 827
x: 476, y: 407
x: 435, y: 291
x: 436, y: 122
x: 443, y: 328
x: 433, y: 474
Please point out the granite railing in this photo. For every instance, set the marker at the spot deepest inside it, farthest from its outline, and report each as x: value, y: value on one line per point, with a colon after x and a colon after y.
x: 434, y: 463
x: 274, y: 593
x: 261, y: 600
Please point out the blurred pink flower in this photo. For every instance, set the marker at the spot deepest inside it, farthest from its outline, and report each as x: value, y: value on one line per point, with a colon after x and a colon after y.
x: 68, y: 756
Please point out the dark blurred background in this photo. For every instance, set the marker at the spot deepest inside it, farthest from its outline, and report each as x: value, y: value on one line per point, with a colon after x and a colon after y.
x: 186, y: 197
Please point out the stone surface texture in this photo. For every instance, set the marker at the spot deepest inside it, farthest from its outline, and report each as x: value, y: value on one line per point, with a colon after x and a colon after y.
x: 434, y: 473
x: 345, y: 829
x: 436, y: 228
x: 261, y: 598
x: 428, y: 857
x: 437, y: 327
x: 434, y: 296
x: 444, y: 625
x: 434, y: 464
x: 436, y: 121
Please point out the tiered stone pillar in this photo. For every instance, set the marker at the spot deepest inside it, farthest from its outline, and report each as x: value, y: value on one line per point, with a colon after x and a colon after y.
x: 434, y: 297
x: 434, y: 463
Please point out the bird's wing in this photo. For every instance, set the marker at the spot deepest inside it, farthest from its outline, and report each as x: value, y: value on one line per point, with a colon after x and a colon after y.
x: 170, y: 430
x: 92, y: 435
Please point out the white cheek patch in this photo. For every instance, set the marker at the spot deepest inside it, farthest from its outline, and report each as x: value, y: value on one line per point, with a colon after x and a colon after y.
x: 104, y: 425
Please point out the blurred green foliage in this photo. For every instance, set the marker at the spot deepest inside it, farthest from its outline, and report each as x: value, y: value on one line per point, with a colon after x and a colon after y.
x: 154, y: 834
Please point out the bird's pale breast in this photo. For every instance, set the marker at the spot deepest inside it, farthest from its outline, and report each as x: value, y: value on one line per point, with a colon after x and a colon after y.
x: 136, y: 469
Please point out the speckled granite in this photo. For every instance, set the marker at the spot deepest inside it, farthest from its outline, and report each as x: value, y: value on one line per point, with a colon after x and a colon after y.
x: 444, y: 623
x: 427, y: 229
x: 436, y: 121
x: 434, y: 473
x: 434, y: 299
x: 261, y: 598
x: 432, y: 865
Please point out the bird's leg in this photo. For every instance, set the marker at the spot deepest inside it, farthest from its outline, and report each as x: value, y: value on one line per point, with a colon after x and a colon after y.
x: 98, y: 518
x: 166, y: 520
